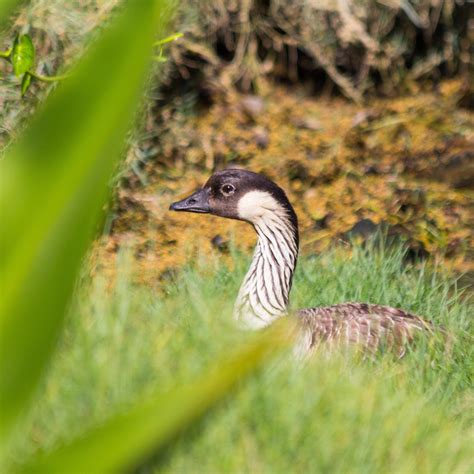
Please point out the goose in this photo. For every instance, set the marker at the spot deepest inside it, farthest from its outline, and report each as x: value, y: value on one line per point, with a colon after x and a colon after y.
x: 264, y: 294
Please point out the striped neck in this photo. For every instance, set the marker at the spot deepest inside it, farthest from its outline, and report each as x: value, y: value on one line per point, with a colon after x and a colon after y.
x: 264, y: 294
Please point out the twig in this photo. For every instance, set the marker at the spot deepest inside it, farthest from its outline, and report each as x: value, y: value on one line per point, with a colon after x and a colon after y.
x: 42, y: 78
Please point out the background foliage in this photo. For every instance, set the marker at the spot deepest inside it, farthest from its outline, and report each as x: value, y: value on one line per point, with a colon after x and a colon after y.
x: 357, y: 45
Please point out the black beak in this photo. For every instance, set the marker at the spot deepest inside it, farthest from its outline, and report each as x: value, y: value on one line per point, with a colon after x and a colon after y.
x: 197, y: 202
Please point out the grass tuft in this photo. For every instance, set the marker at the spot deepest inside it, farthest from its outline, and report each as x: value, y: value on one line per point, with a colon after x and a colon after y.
x: 332, y: 414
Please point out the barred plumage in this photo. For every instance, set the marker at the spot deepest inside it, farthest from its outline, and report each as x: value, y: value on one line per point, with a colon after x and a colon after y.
x: 265, y: 291
x: 367, y: 325
x: 264, y: 294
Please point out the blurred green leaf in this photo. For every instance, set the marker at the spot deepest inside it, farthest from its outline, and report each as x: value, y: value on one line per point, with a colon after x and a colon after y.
x: 5, y: 54
x: 128, y: 438
x: 25, y: 83
x: 22, y: 55
x: 53, y: 186
x: 169, y: 39
x: 7, y: 8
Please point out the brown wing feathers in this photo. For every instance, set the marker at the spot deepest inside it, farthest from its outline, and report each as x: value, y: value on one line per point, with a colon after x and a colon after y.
x: 366, y: 325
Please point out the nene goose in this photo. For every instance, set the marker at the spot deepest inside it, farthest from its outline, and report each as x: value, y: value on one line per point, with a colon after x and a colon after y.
x: 263, y: 296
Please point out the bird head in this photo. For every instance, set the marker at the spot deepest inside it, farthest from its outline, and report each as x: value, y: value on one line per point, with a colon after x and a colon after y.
x: 238, y: 194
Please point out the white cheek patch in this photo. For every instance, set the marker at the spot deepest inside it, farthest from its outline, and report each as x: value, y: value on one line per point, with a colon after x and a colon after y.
x: 256, y: 205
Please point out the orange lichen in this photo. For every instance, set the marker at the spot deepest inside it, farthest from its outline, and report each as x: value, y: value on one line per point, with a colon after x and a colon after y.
x: 338, y: 163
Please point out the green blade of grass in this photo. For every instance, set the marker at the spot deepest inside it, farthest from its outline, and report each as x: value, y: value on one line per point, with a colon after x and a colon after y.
x: 126, y: 439
x: 53, y: 185
x: 7, y: 7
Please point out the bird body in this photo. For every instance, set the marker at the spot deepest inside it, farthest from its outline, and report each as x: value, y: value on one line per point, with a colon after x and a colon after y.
x: 369, y: 326
x: 264, y: 294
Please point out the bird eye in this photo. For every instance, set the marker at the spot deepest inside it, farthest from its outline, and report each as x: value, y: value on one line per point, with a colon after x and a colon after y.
x: 227, y: 189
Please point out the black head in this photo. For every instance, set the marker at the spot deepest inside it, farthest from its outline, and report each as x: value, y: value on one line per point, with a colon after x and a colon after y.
x: 238, y: 194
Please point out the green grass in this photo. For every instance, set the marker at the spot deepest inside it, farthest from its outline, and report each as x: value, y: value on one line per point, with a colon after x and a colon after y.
x: 331, y: 414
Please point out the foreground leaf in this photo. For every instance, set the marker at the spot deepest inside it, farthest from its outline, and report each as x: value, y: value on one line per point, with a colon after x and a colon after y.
x: 53, y: 186
x: 126, y: 439
x: 7, y: 8
x: 25, y: 83
x: 23, y: 55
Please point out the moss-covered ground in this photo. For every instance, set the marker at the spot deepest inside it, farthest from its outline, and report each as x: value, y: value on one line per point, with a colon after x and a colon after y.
x: 403, y: 166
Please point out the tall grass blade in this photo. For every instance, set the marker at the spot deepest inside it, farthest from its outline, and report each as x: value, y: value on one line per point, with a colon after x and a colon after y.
x: 7, y: 7
x: 124, y: 440
x: 53, y: 186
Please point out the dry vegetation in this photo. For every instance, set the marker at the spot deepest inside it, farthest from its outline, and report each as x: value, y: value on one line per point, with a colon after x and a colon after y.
x: 356, y: 45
